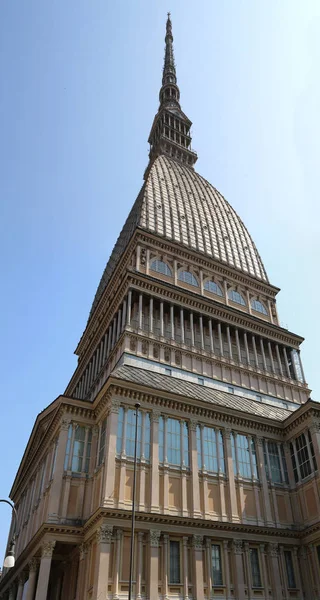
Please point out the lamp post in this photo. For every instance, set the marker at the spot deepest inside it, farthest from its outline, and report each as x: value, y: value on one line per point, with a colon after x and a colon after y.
x: 137, y: 406
x: 9, y: 559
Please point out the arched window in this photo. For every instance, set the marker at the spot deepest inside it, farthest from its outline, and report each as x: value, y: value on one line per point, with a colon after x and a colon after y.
x: 236, y: 297
x: 258, y: 306
x: 213, y: 287
x: 161, y: 267
x: 188, y: 277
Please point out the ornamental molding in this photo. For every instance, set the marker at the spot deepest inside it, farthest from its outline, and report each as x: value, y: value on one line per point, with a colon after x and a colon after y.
x: 155, y: 415
x: 83, y: 551
x: 273, y: 550
x: 104, y: 534
x: 47, y: 549
x: 154, y: 536
x: 197, y: 542
x: 33, y: 565
x: 237, y: 546
x: 193, y: 424
x: 65, y: 423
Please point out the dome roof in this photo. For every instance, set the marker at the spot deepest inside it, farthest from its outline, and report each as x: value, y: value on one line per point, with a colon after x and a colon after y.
x: 179, y: 205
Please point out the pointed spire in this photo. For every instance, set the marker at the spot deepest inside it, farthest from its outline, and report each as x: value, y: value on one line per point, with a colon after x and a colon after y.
x: 170, y: 132
x: 169, y: 69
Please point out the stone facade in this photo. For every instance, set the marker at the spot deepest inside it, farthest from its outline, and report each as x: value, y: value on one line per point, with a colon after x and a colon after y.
x: 227, y: 496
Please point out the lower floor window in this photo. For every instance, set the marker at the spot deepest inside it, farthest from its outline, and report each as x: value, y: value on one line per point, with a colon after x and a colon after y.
x: 290, y: 569
x: 255, y: 567
x: 174, y: 562
x: 216, y: 565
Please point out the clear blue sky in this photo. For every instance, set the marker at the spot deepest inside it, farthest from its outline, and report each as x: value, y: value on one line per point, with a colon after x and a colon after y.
x: 79, y: 89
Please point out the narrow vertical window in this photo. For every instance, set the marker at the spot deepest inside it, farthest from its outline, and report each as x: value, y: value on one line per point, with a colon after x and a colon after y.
x: 68, y: 448
x: 120, y: 432
x: 161, y: 440
x: 315, y: 466
x: 216, y: 565
x: 174, y: 441
x: 289, y: 569
x: 174, y: 562
x: 102, y: 443
x: 255, y: 567
x: 88, y: 451
x: 294, y: 463
x: 244, y: 456
x: 54, y: 459
x: 78, y: 449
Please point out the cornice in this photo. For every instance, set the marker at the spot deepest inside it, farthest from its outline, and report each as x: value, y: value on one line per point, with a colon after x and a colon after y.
x: 212, y: 309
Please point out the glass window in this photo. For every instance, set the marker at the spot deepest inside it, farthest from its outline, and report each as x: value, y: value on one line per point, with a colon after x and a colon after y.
x: 296, y: 360
x: 188, y: 277
x: 102, y: 441
x: 210, y: 447
x: 127, y: 429
x: 54, y: 459
x: 174, y: 435
x: 294, y: 463
x: 303, y: 456
x: 78, y: 449
x: 174, y: 562
x: 312, y: 451
x: 213, y: 287
x: 216, y: 565
x: 161, y: 267
x: 258, y: 307
x: 68, y: 448
x: 75, y: 458
x: 290, y: 569
x: 236, y: 297
x: 244, y: 456
x: 255, y: 567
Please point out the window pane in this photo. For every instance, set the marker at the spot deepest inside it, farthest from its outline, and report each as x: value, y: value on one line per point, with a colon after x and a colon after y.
x: 258, y: 306
x: 255, y: 567
x: 161, y: 267
x: 210, y: 449
x: 198, y: 430
x: 213, y: 287
x: 236, y: 297
x: 216, y: 565
x: 161, y: 440
x: 290, y: 570
x: 102, y: 441
x: 174, y: 562
x: 243, y: 456
x: 188, y: 277
x: 68, y: 448
x: 173, y: 441
x: 274, y: 461
x: 120, y: 430
x: 303, y: 456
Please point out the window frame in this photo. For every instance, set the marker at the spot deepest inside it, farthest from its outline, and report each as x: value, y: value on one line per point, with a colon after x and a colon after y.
x: 221, y: 573
x: 254, y: 303
x: 255, y: 567
x: 241, y: 302
x: 194, y: 281
x: 177, y: 544
x: 158, y: 270
x: 211, y: 283
x: 290, y: 570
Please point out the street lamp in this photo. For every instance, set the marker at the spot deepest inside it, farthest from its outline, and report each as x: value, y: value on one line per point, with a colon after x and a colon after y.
x: 137, y: 406
x: 9, y: 559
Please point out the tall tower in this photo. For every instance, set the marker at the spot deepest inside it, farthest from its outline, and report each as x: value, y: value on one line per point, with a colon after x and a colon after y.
x: 184, y: 320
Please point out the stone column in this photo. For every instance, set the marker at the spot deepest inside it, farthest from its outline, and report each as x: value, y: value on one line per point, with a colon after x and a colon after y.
x: 161, y: 320
x: 21, y: 582
x: 197, y: 546
x: 201, y: 333
x: 182, y: 325
x: 255, y: 351
x: 220, y: 339
x: 140, y: 313
x: 275, y: 572
x: 265, y: 488
x: 211, y: 336
x: 185, y: 568
x: 194, y: 469
x: 239, y: 586
x: 139, y: 566
x: 165, y: 550
x: 56, y: 484
x: 229, y: 341
x: 129, y: 308
x: 209, y: 568
x: 271, y: 358
x: 44, y: 571
x: 306, y: 573
x: 315, y: 436
x: 116, y: 565
x: 313, y: 561
x: 33, y: 568
x: 154, y: 483
x: 110, y: 454
x: 151, y: 315
x: 264, y: 571
x: 248, y: 569
x: 81, y: 573
x: 12, y: 593
x: 230, y: 473
x: 191, y: 329
x: 263, y: 354
x: 172, y: 321
x: 245, y: 337
x: 238, y: 346
x: 152, y: 587
x: 286, y: 362
x: 297, y: 569
x: 279, y: 360
x: 101, y: 579
x: 226, y: 567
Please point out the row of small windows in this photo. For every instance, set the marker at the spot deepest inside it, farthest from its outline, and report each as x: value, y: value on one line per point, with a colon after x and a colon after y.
x: 211, y: 286
x: 174, y: 448
x: 217, y: 571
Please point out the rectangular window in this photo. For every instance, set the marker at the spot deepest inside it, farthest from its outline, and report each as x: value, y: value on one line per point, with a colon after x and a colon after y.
x: 174, y: 562
x: 174, y: 437
x: 290, y: 569
x: 255, y: 567
x: 127, y: 429
x: 294, y: 463
x: 54, y: 459
x: 244, y: 456
x: 216, y: 565
x: 78, y: 449
x: 210, y: 449
x: 315, y: 466
x: 278, y: 468
x: 102, y: 441
x: 303, y: 456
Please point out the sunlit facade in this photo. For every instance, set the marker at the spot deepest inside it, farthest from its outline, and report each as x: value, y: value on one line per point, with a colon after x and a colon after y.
x: 184, y: 321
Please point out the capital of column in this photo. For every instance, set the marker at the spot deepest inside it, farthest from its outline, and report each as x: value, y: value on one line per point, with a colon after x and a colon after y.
x: 65, y: 424
x: 95, y: 430
x: 193, y: 424
x: 259, y: 441
x: 315, y: 426
x: 273, y: 550
x: 33, y: 565
x: 47, y: 549
x: 237, y: 546
x: 197, y: 542
x: 154, y: 536
x: 104, y: 534
x: 83, y: 550
x: 155, y: 415
x: 114, y: 406
x: 303, y: 552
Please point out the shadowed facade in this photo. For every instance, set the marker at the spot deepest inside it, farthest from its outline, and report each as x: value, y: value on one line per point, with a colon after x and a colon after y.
x: 184, y: 320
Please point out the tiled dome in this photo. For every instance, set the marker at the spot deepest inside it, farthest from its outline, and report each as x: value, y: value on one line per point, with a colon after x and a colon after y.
x: 179, y: 205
